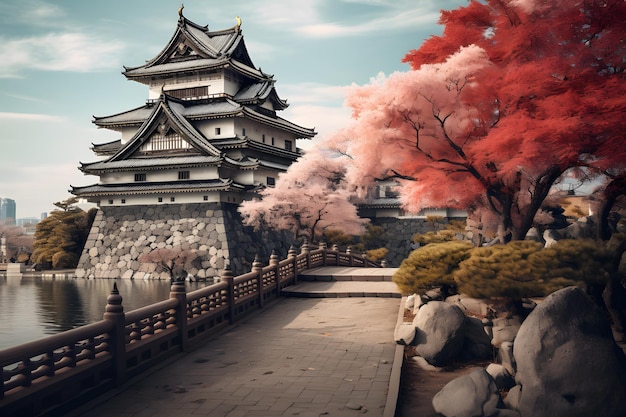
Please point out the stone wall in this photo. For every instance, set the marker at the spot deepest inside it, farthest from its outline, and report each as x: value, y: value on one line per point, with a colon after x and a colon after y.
x: 120, y: 235
x: 397, y: 233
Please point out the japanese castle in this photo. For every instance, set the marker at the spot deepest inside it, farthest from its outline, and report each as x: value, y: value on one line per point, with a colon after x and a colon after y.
x: 207, y: 138
x: 209, y: 131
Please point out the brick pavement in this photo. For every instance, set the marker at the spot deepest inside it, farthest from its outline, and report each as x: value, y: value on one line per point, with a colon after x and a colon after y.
x: 299, y: 357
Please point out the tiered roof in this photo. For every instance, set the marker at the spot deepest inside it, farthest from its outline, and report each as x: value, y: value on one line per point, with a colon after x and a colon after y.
x: 194, y: 49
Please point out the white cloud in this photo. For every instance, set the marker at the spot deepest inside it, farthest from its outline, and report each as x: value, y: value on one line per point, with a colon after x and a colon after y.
x: 312, y: 93
x: 72, y: 52
x: 31, y: 117
x: 392, y: 19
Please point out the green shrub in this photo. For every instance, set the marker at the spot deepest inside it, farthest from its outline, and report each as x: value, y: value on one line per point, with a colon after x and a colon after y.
x: 377, y: 254
x: 500, y: 271
x: 63, y: 260
x: 523, y: 269
x: 431, y: 266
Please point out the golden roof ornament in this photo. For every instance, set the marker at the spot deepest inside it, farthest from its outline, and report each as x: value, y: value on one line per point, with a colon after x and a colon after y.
x: 180, y: 10
x: 238, y: 19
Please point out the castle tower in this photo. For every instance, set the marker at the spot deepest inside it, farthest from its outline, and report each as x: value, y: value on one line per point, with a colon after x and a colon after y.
x: 207, y: 138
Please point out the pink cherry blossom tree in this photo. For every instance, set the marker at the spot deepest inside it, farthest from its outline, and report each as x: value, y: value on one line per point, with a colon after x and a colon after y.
x: 310, y: 198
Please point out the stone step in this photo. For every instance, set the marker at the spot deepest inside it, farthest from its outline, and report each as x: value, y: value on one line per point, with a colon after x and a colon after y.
x: 344, y: 273
x: 342, y: 289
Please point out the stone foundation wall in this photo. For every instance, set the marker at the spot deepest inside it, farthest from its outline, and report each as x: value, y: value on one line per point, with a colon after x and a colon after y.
x: 119, y: 235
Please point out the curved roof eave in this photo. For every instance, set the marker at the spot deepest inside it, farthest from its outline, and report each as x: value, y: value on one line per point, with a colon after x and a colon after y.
x: 302, y: 132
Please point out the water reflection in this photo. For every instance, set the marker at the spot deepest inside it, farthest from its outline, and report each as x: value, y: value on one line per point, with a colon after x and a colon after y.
x: 34, y: 306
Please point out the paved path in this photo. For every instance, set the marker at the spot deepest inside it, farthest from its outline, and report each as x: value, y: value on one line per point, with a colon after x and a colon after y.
x: 299, y: 357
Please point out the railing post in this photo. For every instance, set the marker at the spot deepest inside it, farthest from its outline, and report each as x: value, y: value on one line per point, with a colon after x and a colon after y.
x: 227, y: 276
x: 274, y: 264
x: 257, y: 268
x: 114, y: 312
x: 350, y: 256
x: 323, y: 246
x: 306, y: 250
x: 178, y: 291
x: 293, y: 255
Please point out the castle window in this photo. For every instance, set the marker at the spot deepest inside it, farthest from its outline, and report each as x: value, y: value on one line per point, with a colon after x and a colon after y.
x: 243, y: 131
x: 271, y: 181
x: 140, y: 177
x: 288, y: 145
x: 189, y: 93
x: 160, y: 199
x: 218, y: 131
x: 110, y: 201
x: 183, y: 175
x: 172, y: 199
x: 263, y: 137
x: 123, y: 201
x: 272, y: 140
x: 205, y: 197
x: 165, y: 142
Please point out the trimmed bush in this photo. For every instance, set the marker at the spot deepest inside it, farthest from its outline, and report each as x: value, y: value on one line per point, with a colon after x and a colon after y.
x: 523, y: 269
x: 431, y: 266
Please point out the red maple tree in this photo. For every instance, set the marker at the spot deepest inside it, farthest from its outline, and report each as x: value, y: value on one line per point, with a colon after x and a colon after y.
x: 514, y: 95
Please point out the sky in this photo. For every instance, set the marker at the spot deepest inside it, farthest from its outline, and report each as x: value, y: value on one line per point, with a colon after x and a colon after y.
x: 61, y: 64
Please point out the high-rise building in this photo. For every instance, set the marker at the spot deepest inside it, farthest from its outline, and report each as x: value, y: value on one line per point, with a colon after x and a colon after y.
x: 7, y: 211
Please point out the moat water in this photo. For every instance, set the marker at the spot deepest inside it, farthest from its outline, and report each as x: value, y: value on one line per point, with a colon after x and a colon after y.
x: 36, y: 306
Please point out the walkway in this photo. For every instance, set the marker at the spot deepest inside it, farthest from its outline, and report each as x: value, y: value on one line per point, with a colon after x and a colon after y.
x: 299, y: 357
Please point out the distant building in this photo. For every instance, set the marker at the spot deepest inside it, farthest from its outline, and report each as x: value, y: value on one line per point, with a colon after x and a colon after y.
x: 7, y: 211
x: 382, y: 201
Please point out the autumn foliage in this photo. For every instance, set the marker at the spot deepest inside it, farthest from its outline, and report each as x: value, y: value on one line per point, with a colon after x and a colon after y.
x: 511, y: 98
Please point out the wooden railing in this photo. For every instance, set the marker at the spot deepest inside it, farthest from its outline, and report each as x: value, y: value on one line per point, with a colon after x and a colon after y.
x: 57, y: 373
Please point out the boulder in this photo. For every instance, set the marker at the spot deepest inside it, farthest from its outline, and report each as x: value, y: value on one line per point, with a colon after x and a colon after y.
x: 505, y: 329
x: 567, y: 361
x: 439, y: 332
x: 551, y: 236
x: 501, y: 376
x: 476, y: 342
x: 505, y: 354
x: 533, y: 234
x: 471, y: 395
x: 404, y: 334
x: 470, y: 306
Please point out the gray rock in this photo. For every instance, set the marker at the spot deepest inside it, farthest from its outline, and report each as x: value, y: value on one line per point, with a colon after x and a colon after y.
x: 476, y: 342
x: 533, y: 234
x: 471, y: 395
x: 512, y: 398
x: 505, y: 354
x: 404, y: 334
x: 503, y: 378
x: 470, y: 306
x: 551, y: 236
x: 423, y: 363
x: 567, y: 361
x: 439, y: 332
x: 505, y: 329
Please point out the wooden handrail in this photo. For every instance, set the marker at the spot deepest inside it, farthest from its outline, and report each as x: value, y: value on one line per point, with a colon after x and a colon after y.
x: 124, y: 344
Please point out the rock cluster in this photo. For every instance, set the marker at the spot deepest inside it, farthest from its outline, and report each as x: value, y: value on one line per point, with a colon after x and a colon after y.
x: 561, y: 360
x: 120, y: 235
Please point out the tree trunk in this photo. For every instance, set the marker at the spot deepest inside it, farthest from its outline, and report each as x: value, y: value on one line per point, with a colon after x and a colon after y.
x: 614, y: 189
x: 614, y: 294
x: 539, y: 194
